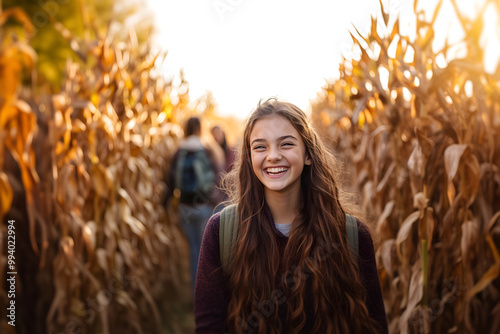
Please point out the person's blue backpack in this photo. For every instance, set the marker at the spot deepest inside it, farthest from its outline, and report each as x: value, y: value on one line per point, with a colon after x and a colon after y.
x: 194, y: 176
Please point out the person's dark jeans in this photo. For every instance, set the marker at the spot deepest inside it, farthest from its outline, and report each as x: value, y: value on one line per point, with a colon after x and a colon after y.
x: 193, y: 220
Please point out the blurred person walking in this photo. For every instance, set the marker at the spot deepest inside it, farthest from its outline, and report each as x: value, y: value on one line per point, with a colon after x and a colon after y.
x: 229, y: 153
x: 192, y: 179
x: 229, y: 156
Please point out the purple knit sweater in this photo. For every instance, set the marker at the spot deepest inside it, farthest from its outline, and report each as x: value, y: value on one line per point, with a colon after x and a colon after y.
x: 211, y: 293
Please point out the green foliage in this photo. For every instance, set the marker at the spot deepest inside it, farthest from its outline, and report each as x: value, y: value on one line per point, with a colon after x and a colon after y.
x: 85, y: 20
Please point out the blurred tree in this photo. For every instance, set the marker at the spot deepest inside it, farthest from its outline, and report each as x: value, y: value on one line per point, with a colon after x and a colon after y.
x: 57, y: 21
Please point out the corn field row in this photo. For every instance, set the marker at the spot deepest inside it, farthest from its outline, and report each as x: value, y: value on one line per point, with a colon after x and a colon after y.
x: 421, y: 145
x: 81, y: 175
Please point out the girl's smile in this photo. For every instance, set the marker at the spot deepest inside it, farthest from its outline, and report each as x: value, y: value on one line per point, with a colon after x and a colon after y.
x: 276, y: 171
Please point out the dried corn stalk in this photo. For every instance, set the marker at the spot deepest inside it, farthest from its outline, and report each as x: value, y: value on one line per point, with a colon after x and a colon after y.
x: 18, y: 177
x: 422, y: 145
x: 107, y: 251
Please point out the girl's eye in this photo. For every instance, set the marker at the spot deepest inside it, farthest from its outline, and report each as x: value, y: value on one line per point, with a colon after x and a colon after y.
x: 258, y: 147
x: 287, y: 144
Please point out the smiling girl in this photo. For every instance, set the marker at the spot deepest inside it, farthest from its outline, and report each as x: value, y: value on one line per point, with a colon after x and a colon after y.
x: 292, y: 267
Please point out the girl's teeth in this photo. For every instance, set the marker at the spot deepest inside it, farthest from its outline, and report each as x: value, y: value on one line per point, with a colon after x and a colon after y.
x: 276, y: 171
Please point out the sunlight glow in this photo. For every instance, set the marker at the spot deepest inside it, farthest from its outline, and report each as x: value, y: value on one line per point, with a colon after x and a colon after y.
x: 243, y: 51
x: 384, y: 77
x: 468, y: 88
x: 406, y: 94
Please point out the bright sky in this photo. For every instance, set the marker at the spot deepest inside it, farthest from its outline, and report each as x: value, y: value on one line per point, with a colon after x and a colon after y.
x: 245, y: 50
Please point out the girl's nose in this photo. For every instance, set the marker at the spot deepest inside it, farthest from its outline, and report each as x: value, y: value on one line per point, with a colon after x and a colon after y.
x: 274, y: 155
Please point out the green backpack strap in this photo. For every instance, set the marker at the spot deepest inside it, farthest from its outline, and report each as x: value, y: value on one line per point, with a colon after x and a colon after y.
x: 228, y: 231
x: 352, y: 234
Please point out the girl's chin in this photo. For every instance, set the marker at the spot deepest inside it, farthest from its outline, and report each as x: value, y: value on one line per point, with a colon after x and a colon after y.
x: 275, y: 187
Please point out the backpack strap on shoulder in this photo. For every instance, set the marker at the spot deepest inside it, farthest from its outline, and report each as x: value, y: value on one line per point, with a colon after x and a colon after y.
x: 352, y: 234
x: 228, y: 232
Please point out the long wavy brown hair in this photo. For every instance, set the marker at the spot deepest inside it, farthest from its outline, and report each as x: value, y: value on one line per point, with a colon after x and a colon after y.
x: 316, y: 263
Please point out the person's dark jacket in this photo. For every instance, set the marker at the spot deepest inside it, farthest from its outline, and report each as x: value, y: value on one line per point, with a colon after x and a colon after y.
x: 193, y: 144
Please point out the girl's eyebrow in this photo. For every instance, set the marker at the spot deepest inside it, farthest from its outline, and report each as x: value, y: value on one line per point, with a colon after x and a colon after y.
x: 279, y: 139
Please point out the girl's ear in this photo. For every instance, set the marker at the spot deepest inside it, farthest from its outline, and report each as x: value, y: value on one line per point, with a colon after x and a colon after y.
x: 307, y: 161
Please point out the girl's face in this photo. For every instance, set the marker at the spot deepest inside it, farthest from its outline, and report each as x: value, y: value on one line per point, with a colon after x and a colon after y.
x: 278, y: 154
